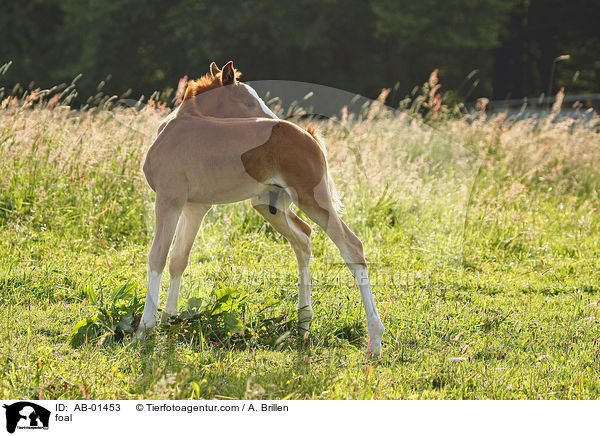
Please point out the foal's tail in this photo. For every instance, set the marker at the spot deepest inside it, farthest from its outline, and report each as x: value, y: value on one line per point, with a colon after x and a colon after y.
x: 335, y: 198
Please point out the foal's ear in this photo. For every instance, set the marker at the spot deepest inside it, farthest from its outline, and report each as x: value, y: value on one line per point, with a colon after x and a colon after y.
x: 214, y: 70
x: 228, y: 74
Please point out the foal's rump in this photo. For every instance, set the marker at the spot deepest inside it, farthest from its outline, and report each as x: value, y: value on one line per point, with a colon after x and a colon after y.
x: 212, y: 161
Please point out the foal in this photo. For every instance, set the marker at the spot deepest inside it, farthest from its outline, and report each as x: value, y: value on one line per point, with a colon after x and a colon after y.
x: 224, y: 145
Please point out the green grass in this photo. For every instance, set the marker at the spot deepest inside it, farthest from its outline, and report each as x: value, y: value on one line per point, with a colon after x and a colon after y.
x: 482, y: 238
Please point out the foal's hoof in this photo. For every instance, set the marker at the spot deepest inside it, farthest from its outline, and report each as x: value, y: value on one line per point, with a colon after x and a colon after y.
x: 166, y: 318
x: 304, y: 330
x: 375, y: 336
x: 141, y: 334
x: 305, y: 316
x: 138, y: 337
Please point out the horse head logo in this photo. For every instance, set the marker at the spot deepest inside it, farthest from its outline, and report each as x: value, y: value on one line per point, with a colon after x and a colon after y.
x: 27, y: 414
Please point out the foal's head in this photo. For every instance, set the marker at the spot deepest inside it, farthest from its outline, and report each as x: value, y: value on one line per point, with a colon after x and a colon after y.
x: 220, y: 94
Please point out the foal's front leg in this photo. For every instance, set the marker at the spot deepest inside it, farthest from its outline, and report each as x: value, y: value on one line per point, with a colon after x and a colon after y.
x: 187, y: 229
x: 167, y: 210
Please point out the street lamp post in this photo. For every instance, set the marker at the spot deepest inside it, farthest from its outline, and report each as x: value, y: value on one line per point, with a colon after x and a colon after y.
x: 556, y: 59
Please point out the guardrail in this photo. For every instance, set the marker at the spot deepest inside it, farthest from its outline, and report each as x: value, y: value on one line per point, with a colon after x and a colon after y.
x: 586, y: 106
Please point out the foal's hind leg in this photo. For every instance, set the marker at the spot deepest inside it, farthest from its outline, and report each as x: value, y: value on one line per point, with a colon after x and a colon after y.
x: 317, y: 204
x: 297, y: 232
x: 167, y: 209
x: 187, y: 229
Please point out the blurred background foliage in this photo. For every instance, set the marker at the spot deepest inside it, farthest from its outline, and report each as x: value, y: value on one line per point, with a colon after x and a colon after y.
x: 356, y: 45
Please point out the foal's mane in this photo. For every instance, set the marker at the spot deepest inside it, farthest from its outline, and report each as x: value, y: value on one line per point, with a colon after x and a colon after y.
x: 205, y: 83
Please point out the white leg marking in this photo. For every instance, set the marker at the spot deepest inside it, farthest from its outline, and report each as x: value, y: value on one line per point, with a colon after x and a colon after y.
x: 374, y: 324
x: 305, y: 311
x: 173, y: 297
x: 151, y: 306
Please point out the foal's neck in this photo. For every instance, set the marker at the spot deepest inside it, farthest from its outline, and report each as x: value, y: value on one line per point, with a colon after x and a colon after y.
x: 198, y: 106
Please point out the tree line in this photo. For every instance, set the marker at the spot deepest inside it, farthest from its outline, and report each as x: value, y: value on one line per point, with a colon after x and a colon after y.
x: 493, y: 48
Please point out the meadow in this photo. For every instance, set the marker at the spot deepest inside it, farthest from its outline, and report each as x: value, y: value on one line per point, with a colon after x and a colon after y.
x: 482, y: 235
